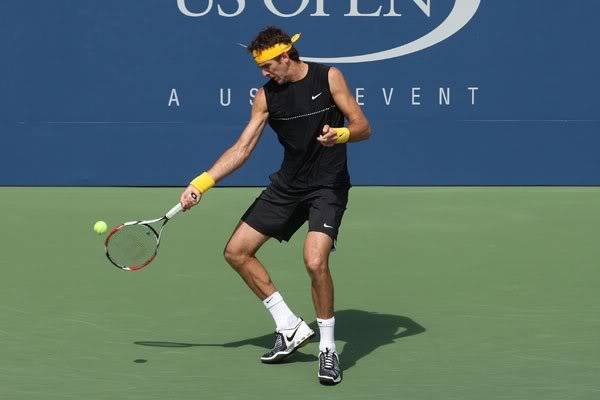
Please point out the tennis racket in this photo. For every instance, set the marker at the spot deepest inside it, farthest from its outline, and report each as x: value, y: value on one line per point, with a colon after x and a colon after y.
x: 133, y: 245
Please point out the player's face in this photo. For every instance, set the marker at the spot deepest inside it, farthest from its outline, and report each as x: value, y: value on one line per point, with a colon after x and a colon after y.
x: 276, y: 70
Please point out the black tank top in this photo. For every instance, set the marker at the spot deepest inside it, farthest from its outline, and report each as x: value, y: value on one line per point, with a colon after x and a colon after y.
x: 297, y: 113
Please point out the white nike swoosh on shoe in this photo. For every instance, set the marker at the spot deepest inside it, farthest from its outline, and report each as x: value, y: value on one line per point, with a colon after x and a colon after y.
x: 316, y: 95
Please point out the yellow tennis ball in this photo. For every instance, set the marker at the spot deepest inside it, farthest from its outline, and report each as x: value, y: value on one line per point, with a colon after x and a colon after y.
x: 100, y: 227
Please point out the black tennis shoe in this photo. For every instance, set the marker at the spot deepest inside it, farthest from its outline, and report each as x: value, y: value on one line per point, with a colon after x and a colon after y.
x: 330, y: 372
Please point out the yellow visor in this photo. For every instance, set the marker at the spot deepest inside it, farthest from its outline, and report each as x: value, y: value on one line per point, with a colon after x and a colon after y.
x: 273, y: 51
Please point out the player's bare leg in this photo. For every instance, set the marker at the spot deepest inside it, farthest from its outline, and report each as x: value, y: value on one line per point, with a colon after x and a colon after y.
x: 317, y: 248
x: 291, y: 332
x: 240, y: 253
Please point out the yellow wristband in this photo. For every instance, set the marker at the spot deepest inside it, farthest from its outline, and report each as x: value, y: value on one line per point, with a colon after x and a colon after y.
x: 203, y: 182
x: 343, y: 134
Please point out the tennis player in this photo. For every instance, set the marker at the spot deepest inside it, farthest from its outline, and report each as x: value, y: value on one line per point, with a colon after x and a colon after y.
x: 306, y: 104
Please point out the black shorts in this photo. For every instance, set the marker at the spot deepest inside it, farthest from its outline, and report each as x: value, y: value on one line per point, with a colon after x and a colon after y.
x: 279, y: 214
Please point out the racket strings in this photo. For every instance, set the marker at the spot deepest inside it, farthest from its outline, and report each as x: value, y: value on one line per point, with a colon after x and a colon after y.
x: 132, y: 245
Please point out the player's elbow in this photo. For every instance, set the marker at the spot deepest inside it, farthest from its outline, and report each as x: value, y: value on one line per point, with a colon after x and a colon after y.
x: 368, y: 131
x: 365, y: 131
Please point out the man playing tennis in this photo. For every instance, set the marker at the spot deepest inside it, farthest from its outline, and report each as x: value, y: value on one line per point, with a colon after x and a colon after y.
x: 306, y: 104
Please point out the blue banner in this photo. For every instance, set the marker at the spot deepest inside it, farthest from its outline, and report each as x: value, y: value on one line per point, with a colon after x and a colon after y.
x: 458, y: 92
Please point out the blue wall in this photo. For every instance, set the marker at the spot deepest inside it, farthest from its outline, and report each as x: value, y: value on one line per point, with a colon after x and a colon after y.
x: 86, y: 85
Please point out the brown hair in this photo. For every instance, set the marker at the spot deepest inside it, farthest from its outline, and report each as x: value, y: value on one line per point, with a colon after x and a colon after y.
x: 269, y: 37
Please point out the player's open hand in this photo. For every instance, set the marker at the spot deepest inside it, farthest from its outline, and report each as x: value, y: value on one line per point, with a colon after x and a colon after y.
x: 328, y: 138
x: 190, y: 197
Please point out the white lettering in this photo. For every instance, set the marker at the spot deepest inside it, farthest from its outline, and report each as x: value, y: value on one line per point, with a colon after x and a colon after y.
x: 424, y: 5
x: 462, y: 12
x: 359, y: 95
x: 355, y: 13
x: 416, y: 96
x: 387, y: 99
x: 320, y: 11
x: 185, y: 11
x: 228, y: 102
x: 473, y: 89
x: 445, y: 96
x: 253, y: 93
x: 241, y: 7
x: 392, y: 12
x: 274, y: 10
x: 173, y: 98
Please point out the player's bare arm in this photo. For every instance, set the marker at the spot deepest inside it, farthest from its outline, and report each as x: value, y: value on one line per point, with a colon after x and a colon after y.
x: 236, y: 155
x: 358, y: 125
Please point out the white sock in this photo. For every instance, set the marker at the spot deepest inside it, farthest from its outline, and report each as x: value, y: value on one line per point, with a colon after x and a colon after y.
x: 326, y: 331
x: 283, y: 316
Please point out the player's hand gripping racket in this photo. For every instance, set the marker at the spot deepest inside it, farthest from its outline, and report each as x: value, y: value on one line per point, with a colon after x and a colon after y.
x: 133, y: 245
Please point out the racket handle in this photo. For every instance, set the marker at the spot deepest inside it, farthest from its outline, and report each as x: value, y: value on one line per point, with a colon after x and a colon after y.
x: 173, y: 211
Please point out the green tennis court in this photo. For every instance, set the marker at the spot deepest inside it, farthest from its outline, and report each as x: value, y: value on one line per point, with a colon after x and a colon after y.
x: 441, y: 293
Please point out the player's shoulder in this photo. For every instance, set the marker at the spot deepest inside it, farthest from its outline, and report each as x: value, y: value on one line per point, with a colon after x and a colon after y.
x: 335, y: 77
x: 335, y: 73
x: 321, y: 68
x: 260, y: 100
x: 327, y: 73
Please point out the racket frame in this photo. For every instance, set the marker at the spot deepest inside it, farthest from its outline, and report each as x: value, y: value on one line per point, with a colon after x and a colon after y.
x: 170, y: 214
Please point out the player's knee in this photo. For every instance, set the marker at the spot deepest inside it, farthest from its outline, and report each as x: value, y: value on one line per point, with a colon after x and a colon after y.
x: 235, y: 256
x: 315, y: 265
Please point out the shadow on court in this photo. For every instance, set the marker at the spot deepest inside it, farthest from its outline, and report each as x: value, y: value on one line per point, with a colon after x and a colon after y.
x: 362, y: 332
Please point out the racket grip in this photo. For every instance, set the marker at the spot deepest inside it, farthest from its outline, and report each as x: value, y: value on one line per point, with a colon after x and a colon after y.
x: 173, y: 211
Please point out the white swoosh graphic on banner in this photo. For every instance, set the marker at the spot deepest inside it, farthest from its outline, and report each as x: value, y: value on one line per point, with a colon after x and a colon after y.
x: 462, y: 12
